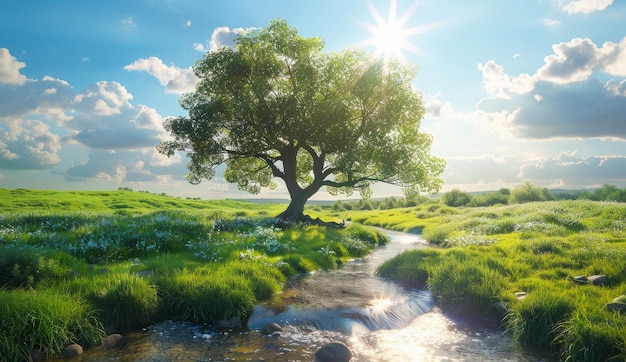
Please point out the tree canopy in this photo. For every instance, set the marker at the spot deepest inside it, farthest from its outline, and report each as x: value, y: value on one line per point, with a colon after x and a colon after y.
x: 277, y: 107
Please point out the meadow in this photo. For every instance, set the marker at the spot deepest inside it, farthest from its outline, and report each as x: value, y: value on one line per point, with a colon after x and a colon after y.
x: 519, y: 267
x: 75, y: 266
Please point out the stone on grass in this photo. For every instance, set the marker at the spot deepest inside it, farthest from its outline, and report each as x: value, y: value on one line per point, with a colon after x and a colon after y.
x: 617, y: 305
x: 580, y: 279
x: 72, y: 350
x: 333, y: 352
x: 599, y: 279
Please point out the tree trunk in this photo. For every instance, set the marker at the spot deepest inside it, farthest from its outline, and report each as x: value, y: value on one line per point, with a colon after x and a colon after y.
x: 299, y: 195
x: 295, y: 210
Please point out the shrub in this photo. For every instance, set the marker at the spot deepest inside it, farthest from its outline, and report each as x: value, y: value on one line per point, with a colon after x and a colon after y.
x: 456, y: 198
x: 527, y: 192
x: 437, y: 235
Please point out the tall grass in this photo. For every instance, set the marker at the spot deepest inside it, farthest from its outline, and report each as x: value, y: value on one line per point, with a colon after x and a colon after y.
x: 45, y: 320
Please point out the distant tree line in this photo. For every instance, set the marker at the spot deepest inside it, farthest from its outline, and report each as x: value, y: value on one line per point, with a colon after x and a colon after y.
x: 527, y: 192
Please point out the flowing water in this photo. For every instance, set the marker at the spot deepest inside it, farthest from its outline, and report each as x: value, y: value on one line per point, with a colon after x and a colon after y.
x: 377, y: 319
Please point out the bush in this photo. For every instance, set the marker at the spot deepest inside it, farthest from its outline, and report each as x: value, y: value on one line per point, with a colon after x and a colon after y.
x: 529, y: 193
x: 456, y: 198
x: 24, y: 267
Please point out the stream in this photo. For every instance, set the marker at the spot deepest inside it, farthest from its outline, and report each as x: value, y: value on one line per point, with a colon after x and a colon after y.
x: 377, y: 319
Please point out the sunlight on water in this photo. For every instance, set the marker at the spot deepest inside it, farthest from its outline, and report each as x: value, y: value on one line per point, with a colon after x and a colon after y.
x: 435, y: 337
x: 379, y: 305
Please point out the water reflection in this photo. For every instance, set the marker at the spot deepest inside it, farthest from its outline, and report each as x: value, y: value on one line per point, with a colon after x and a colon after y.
x: 379, y: 320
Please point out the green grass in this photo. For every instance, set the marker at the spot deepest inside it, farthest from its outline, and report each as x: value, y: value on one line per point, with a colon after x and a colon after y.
x: 486, y: 255
x: 124, y: 260
x: 45, y: 320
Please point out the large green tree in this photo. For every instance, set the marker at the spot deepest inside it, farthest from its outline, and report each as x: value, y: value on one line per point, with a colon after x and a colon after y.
x: 277, y: 107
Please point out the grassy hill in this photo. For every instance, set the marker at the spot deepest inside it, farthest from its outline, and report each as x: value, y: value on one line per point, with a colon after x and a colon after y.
x: 123, y: 202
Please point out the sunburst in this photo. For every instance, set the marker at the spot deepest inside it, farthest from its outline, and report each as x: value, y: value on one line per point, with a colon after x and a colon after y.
x: 390, y: 37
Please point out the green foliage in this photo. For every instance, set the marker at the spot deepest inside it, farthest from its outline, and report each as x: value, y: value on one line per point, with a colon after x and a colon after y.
x: 456, y: 198
x: 527, y: 192
x: 278, y: 107
x: 45, y: 320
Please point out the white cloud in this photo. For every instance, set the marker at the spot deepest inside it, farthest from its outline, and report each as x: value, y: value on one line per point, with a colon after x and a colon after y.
x: 225, y: 37
x: 552, y: 22
x: 129, y: 22
x: 10, y: 68
x: 38, y: 115
x: 562, y: 99
x: 27, y: 145
x: 565, y: 170
x: 574, y: 172
x: 188, y: 23
x: 586, y: 6
x: 175, y: 80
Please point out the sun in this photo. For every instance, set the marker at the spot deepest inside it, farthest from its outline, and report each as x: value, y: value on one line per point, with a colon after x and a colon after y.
x: 390, y: 37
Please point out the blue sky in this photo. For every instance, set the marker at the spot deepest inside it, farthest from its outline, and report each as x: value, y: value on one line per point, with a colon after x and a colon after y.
x: 520, y: 90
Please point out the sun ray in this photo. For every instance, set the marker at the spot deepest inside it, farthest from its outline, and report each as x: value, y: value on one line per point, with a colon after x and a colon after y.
x: 389, y: 36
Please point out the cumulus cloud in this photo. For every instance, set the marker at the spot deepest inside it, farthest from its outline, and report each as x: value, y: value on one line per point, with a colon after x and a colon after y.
x: 175, y: 79
x: 566, y: 170
x: 105, y: 119
x: 225, y: 37
x: 572, y: 171
x: 27, y: 145
x: 586, y: 6
x: 124, y: 166
x: 10, y: 68
x: 562, y: 99
x: 482, y: 170
x: 38, y: 116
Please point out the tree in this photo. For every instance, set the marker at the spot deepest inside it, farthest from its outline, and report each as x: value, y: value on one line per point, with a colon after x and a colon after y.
x: 527, y: 192
x: 276, y: 107
x: 456, y: 198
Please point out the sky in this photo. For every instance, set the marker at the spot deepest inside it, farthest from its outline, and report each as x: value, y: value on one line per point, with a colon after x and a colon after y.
x: 514, y: 91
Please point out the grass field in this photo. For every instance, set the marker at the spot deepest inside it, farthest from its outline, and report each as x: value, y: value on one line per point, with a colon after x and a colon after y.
x: 513, y: 265
x: 76, y: 265
x: 128, y: 259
